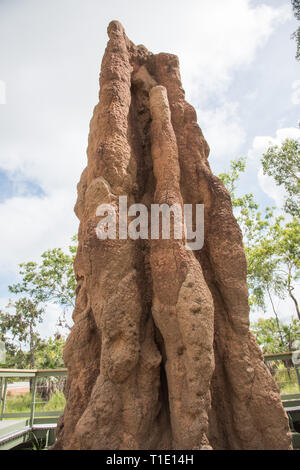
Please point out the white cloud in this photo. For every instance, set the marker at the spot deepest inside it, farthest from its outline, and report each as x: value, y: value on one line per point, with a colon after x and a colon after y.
x: 222, y: 129
x: 51, y: 68
x: 2, y: 92
x: 45, y: 130
x: 50, y: 324
x: 296, y: 92
x: 259, y: 147
x: 3, y: 302
x: 251, y: 96
x: 45, y: 124
x: 222, y: 37
x: 268, y: 185
x: 30, y: 225
x: 262, y: 143
x: 54, y: 166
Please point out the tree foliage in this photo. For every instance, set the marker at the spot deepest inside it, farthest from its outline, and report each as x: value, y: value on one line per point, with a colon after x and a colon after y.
x: 273, y: 340
x: 20, y: 326
x: 50, y: 281
x: 271, y: 247
x: 255, y: 226
x: 283, y: 164
x: 296, y: 8
x: 296, y: 35
x: 50, y: 353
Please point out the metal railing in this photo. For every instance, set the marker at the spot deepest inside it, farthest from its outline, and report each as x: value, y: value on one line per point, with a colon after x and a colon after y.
x: 17, y: 427
x: 14, y: 429
x: 285, y: 371
x: 285, y: 368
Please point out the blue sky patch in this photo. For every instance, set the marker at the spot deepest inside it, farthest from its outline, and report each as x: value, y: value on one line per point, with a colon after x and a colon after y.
x: 15, y: 186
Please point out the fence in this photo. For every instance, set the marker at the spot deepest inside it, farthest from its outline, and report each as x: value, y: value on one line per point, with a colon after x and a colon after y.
x: 39, y: 419
x: 285, y: 371
x: 33, y: 417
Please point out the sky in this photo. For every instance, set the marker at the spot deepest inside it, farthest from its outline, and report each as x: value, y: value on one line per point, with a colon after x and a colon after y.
x: 238, y: 69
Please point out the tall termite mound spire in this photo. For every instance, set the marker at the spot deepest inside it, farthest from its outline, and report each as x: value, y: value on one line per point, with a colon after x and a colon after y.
x: 160, y: 355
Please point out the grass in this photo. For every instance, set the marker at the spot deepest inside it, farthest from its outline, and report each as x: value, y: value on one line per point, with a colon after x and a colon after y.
x: 287, y: 382
x: 56, y: 402
x: 289, y: 389
x: 22, y: 403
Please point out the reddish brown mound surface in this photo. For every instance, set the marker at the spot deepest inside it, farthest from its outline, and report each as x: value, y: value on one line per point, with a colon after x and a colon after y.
x: 160, y: 356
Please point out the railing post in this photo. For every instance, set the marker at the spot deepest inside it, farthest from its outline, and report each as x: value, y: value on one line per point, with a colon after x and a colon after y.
x: 47, y: 439
x: 1, y: 386
x: 298, y: 375
x: 3, y: 397
x: 34, y: 381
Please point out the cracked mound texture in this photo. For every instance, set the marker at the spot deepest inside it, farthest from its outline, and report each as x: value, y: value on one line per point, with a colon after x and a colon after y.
x: 160, y: 355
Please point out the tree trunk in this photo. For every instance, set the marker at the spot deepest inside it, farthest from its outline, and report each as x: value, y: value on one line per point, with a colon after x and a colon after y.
x: 290, y: 290
x: 276, y: 317
x: 32, y: 348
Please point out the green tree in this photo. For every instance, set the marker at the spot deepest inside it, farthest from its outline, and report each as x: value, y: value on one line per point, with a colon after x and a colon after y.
x: 283, y: 164
x: 51, y: 281
x: 20, y: 326
x: 251, y: 220
x: 15, y: 356
x: 296, y: 35
x: 286, y: 241
x: 269, y: 339
x: 255, y: 226
x: 50, y: 353
x: 271, y: 248
x: 264, y: 281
